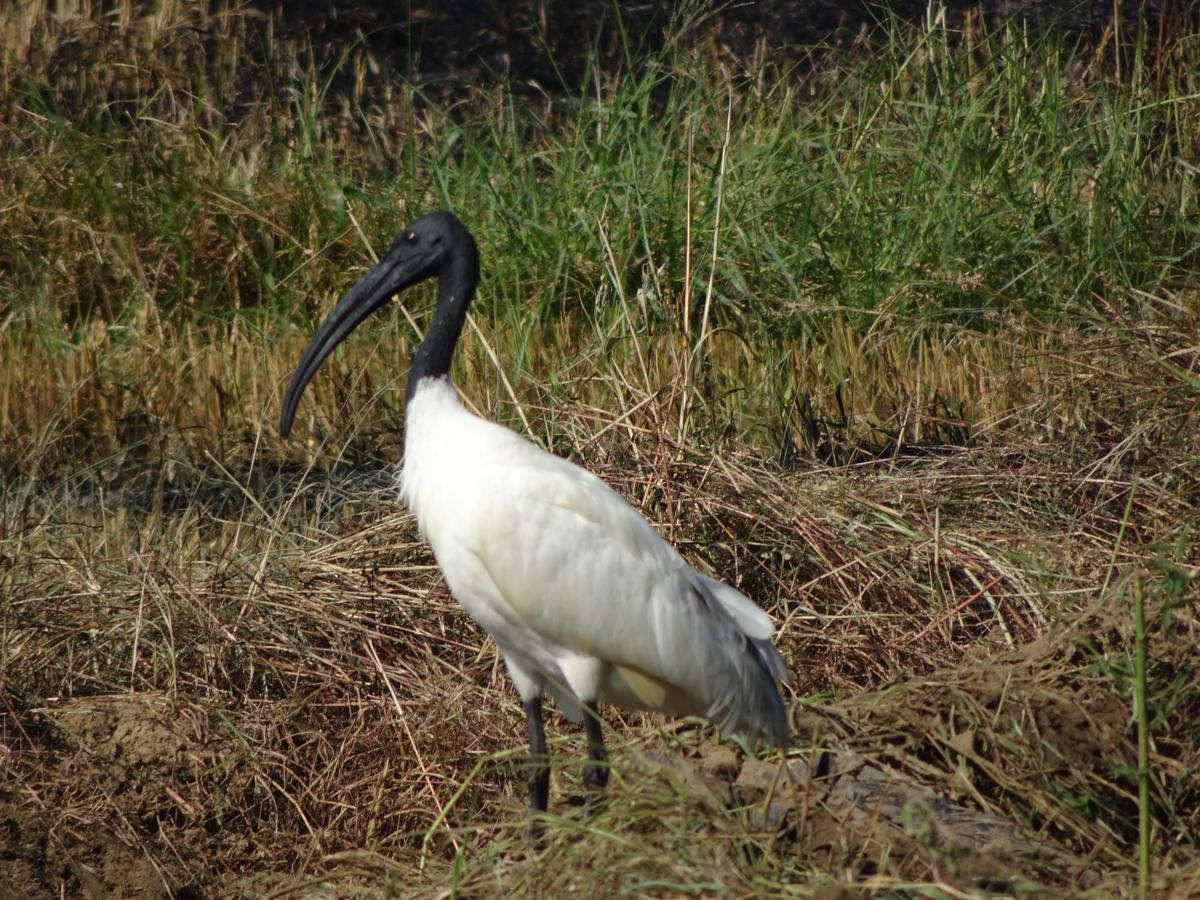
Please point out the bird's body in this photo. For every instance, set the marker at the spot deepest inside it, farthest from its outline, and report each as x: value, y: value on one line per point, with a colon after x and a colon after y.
x: 582, y: 596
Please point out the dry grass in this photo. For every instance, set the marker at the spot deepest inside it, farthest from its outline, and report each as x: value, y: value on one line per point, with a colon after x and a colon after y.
x: 273, y: 686
x: 229, y: 667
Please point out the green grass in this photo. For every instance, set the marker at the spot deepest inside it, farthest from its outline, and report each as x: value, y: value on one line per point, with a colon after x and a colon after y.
x: 927, y: 195
x: 888, y: 336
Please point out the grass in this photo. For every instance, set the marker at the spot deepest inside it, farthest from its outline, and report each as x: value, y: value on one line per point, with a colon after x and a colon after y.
x: 886, y: 340
x: 857, y: 228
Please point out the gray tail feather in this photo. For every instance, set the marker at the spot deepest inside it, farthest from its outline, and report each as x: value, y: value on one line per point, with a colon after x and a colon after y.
x: 748, y: 701
x: 752, y: 706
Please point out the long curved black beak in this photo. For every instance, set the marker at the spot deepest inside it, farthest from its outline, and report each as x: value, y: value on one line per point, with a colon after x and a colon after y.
x: 372, y: 291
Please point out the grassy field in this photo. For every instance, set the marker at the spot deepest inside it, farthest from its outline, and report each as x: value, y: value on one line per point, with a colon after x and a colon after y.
x: 903, y: 340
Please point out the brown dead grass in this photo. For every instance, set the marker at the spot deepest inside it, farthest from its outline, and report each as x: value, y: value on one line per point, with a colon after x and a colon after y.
x: 276, y: 687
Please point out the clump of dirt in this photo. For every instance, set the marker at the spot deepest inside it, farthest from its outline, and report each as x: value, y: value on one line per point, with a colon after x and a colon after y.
x: 111, y: 770
x: 145, y: 749
x: 1044, y: 733
x: 143, y: 731
x: 38, y: 860
x: 148, y: 795
x: 1015, y: 763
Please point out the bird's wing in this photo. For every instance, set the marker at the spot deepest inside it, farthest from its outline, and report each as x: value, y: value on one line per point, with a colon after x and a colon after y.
x: 581, y: 568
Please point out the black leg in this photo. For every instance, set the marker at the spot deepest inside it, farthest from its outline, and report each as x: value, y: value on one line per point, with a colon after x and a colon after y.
x: 595, y: 773
x: 539, y: 760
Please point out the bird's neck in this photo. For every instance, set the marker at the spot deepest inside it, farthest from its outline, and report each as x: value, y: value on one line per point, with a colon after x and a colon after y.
x: 456, y: 287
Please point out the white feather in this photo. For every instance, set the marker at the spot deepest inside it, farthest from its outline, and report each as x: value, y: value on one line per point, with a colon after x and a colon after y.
x: 581, y: 595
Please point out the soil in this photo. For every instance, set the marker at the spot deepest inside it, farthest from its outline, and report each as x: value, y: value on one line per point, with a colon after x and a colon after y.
x: 38, y: 862
x: 133, y: 750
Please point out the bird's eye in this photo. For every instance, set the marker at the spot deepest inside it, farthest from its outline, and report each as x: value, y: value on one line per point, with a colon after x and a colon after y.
x: 411, y: 236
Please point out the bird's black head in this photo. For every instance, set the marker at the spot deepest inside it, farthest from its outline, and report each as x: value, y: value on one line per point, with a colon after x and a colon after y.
x: 437, y: 244
x: 424, y: 248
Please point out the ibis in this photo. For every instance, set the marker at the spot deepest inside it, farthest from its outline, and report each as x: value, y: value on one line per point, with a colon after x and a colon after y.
x: 583, y: 598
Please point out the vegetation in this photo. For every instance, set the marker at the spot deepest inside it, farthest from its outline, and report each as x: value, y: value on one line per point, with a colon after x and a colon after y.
x: 901, y: 339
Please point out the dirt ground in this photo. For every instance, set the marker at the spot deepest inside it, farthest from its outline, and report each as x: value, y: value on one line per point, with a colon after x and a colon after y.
x: 128, y: 748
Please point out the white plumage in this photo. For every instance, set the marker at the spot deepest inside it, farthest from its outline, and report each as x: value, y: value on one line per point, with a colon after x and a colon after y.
x: 583, y: 597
